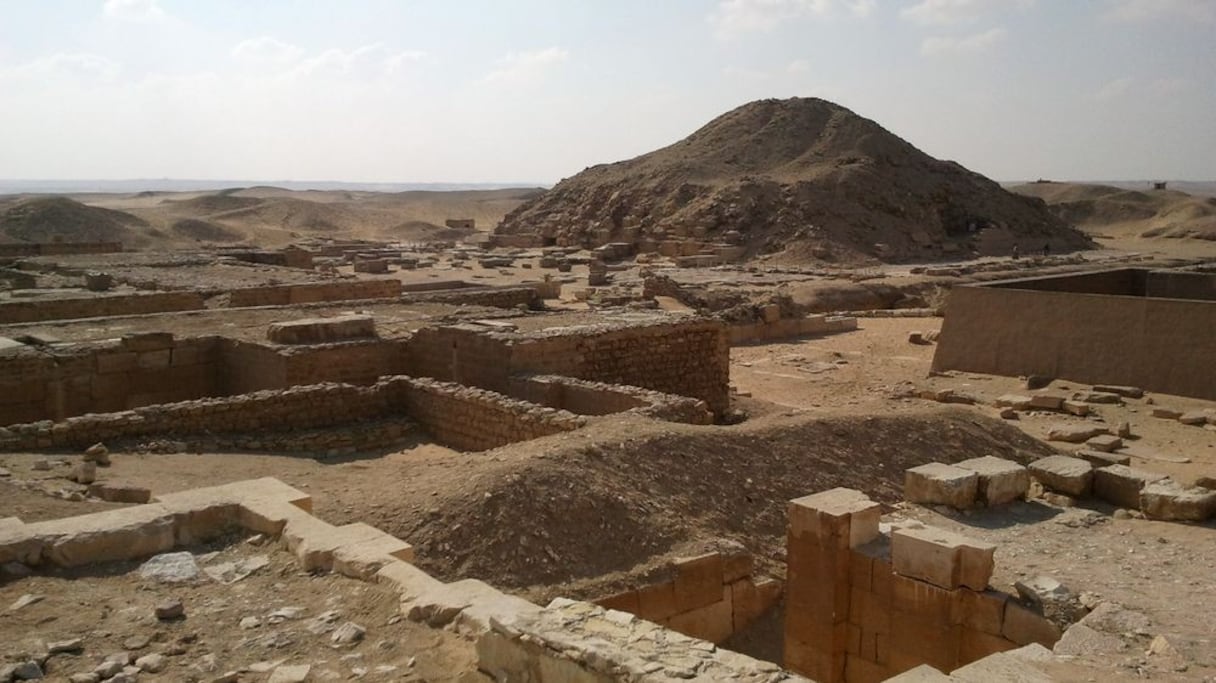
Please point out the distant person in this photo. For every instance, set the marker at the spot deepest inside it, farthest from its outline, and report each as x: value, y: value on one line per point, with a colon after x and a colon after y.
x: 1046, y: 250
x: 1016, y: 252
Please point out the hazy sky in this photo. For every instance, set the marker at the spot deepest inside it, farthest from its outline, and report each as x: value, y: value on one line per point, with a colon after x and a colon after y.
x: 535, y: 90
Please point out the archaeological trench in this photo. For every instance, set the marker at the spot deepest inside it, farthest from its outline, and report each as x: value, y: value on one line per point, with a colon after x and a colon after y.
x: 357, y: 364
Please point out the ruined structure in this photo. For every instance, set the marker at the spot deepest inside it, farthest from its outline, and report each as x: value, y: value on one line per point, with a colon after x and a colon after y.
x: 1130, y: 326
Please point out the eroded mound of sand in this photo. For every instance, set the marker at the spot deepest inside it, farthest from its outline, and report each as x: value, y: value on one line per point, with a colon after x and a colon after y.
x: 1119, y: 212
x: 49, y: 219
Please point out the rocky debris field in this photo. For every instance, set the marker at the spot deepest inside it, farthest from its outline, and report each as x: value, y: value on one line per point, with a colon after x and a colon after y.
x: 238, y: 610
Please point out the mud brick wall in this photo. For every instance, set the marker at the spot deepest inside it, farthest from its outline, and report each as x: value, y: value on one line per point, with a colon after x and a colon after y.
x: 466, y: 354
x: 355, y: 362
x: 475, y: 419
x: 712, y: 597
x: 854, y: 612
x: 99, y: 306
x: 686, y: 358
x: 40, y: 384
x: 582, y: 397
x: 283, y: 295
x: 264, y: 411
x: 248, y: 366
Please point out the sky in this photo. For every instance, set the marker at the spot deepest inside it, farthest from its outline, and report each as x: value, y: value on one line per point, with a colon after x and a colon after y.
x: 536, y: 90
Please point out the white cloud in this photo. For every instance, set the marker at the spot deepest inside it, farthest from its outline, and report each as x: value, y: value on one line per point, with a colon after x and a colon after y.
x: 77, y: 65
x: 1141, y: 10
x: 940, y: 12
x: 940, y: 45
x: 266, y: 50
x: 733, y: 18
x: 396, y: 62
x: 135, y: 10
x: 522, y: 67
x: 1116, y: 88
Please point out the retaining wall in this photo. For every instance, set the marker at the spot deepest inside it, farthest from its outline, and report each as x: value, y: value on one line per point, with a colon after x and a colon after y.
x: 583, y: 397
x: 688, y: 358
x: 284, y: 295
x: 10, y: 249
x: 98, y: 306
x: 711, y: 596
x: 1163, y: 345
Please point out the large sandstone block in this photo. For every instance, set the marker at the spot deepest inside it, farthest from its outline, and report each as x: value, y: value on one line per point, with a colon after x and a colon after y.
x: 1166, y: 499
x: 1100, y: 459
x: 121, y: 534
x: 713, y: 622
x: 698, y: 581
x: 939, y: 484
x: 1025, y: 626
x: 837, y: 517
x: 1105, y: 443
x: 1062, y: 474
x: 1120, y: 485
x: 1000, y: 481
x: 942, y: 558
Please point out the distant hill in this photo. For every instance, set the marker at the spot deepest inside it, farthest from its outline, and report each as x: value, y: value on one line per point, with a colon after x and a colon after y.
x: 1116, y: 211
x: 803, y: 178
x: 49, y: 219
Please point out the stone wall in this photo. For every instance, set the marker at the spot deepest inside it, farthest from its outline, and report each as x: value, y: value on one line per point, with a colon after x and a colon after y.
x: 583, y: 397
x: 98, y: 306
x: 688, y: 358
x: 354, y: 362
x: 495, y: 297
x: 55, y: 383
x: 284, y: 295
x: 711, y: 596
x: 863, y: 606
x: 473, y: 419
x: 1163, y: 345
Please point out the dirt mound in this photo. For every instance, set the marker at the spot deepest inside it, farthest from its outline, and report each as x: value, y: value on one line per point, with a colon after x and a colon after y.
x: 581, y: 510
x: 211, y: 204
x: 50, y: 219
x: 200, y: 230
x: 805, y: 178
x: 1108, y: 210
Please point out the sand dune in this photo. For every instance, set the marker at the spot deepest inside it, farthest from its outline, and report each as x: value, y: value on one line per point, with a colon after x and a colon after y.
x: 1117, y: 212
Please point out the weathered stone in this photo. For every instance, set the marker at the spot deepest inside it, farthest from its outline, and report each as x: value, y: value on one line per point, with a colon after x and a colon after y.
x: 177, y: 567
x: 1077, y: 408
x: 322, y: 330
x: 1015, y: 401
x: 25, y: 601
x: 1046, y: 402
x: 348, y: 634
x: 97, y: 453
x: 152, y: 663
x: 88, y: 677
x: 1195, y: 418
x: 1098, y: 397
x: 294, y: 673
x: 1047, y: 595
x: 84, y: 473
x: 1106, y: 443
x: 1120, y: 485
x: 939, y: 484
x: 1081, y: 640
x: 1125, y: 391
x: 1165, y: 499
x: 1100, y: 459
x: 1167, y: 413
x: 72, y: 645
x: 1124, y: 430
x: 170, y: 609
x: 1079, y: 433
x: 1000, y: 481
x: 1060, y: 473
x: 120, y: 493
x: 941, y: 557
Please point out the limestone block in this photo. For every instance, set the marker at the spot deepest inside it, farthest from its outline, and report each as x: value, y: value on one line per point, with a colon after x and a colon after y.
x: 1101, y: 397
x: 1166, y: 499
x: 18, y: 544
x: 1020, y: 665
x: 1106, y: 443
x: 147, y: 341
x: 322, y: 330
x: 361, y: 559
x: 1078, y: 408
x: 1125, y: 391
x: 975, y: 645
x: 1015, y: 401
x: 1000, y: 481
x: 713, y: 622
x: 1195, y: 417
x: 1025, y: 626
x: 1120, y: 485
x: 470, y: 603
x: 1046, y: 402
x: 1078, y: 433
x: 983, y: 611
x: 121, y: 534
x: 1100, y: 459
x: 1167, y: 413
x: 939, y: 484
x: 406, y: 579
x: 838, y: 517
x: 118, y: 492
x: 657, y: 602
x: 941, y: 557
x: 1062, y: 474
x: 698, y: 581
